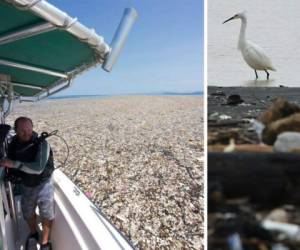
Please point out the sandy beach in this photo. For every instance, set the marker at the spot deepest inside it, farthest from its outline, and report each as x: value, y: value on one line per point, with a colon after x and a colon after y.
x: 139, y: 158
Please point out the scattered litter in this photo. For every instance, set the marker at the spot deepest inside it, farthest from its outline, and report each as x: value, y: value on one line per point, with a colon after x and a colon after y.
x: 214, y: 115
x: 253, y: 190
x: 245, y: 104
x: 279, y: 246
x: 287, y: 142
x: 134, y: 154
x: 230, y: 147
x: 292, y: 231
x: 258, y: 127
x: 218, y: 93
x: 279, y: 109
x: 225, y: 117
x: 234, y: 242
x: 289, y: 123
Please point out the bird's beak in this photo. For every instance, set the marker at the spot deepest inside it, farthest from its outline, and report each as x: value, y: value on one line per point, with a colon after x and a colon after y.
x: 231, y: 18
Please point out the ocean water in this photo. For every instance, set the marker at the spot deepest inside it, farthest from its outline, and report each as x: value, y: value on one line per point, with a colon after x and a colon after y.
x: 197, y: 93
x: 272, y: 24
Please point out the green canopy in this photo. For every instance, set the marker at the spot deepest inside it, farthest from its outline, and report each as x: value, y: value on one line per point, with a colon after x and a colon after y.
x: 41, y: 55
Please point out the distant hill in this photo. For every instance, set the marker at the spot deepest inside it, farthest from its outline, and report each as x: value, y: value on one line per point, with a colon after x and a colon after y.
x: 183, y: 93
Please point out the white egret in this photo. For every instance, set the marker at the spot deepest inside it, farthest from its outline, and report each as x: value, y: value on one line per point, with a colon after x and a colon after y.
x: 253, y: 54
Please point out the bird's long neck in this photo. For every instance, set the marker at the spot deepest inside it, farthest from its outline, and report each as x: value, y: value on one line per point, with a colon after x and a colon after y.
x: 242, y: 38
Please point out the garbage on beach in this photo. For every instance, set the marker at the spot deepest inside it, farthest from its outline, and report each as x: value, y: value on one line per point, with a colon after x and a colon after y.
x: 239, y: 224
x: 287, y: 142
x: 253, y: 177
x: 278, y: 130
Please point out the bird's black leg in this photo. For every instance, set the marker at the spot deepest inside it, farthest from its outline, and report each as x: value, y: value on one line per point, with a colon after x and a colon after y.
x: 268, y: 74
x: 256, y: 74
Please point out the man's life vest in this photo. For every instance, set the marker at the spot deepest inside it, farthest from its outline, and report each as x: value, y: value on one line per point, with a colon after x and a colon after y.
x: 18, y: 151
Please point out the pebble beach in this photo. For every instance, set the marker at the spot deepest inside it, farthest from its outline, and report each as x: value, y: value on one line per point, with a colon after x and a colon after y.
x: 138, y: 158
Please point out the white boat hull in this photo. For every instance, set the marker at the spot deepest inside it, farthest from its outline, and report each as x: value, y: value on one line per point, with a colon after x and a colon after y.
x: 78, y: 223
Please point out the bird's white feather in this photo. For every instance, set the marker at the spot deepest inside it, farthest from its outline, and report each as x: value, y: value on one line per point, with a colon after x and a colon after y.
x: 255, y: 56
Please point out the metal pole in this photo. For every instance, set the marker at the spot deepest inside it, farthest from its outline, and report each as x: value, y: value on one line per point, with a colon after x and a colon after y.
x: 8, y: 93
x: 129, y: 17
x: 26, y: 86
x: 32, y: 68
x: 12, y: 204
x: 25, y: 33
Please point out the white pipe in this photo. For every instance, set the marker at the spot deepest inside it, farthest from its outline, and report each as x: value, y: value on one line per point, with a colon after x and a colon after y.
x: 25, y: 33
x: 32, y: 68
x: 26, y: 86
x: 129, y: 17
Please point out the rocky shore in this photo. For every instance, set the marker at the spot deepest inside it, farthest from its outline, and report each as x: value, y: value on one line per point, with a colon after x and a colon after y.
x: 139, y: 159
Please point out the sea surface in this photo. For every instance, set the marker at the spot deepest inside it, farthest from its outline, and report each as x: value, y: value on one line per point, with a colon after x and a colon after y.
x: 197, y: 93
x: 272, y: 24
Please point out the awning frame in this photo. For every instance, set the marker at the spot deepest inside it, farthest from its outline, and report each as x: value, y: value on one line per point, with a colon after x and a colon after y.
x: 27, y: 32
x: 33, y: 68
x: 60, y: 84
x: 60, y: 19
x: 57, y: 19
x: 54, y: 19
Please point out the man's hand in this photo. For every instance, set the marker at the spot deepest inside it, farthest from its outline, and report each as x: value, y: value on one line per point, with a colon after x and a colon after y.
x: 6, y: 163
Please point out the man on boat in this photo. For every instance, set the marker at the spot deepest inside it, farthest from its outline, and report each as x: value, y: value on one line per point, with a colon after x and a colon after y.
x: 33, y: 160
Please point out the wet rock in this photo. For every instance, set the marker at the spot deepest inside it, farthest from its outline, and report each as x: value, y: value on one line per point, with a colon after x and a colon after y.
x: 234, y: 100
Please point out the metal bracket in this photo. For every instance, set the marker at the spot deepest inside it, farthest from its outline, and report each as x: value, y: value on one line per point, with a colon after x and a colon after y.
x: 27, y: 6
x: 6, y: 96
x: 68, y: 22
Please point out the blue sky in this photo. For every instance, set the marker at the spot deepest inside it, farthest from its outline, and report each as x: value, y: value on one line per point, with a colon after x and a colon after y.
x: 164, y: 51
